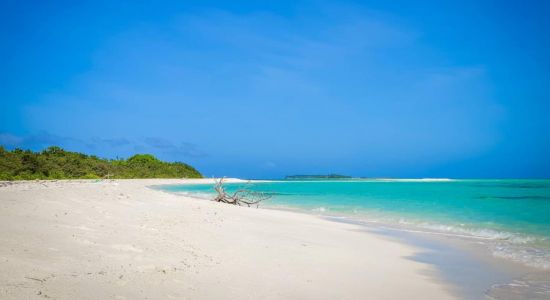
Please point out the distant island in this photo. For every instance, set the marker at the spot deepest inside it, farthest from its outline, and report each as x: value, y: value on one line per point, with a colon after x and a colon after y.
x: 329, y: 176
x: 56, y: 163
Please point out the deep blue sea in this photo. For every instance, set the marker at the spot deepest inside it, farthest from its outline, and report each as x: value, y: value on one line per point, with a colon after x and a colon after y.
x: 511, y: 216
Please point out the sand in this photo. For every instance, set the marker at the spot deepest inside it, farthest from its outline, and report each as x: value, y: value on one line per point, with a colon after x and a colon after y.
x: 120, y: 239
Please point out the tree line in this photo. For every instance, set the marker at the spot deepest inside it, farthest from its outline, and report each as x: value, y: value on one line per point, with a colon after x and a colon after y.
x: 57, y: 163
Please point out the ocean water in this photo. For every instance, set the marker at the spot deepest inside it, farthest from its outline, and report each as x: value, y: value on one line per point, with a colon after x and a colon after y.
x: 512, y: 217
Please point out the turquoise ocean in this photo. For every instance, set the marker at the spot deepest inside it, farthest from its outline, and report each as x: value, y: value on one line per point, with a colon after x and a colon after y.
x: 512, y: 217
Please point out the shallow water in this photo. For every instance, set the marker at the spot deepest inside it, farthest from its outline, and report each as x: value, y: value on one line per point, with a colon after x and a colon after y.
x: 471, y: 272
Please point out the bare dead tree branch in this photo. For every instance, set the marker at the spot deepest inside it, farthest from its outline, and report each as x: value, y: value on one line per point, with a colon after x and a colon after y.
x: 240, y: 197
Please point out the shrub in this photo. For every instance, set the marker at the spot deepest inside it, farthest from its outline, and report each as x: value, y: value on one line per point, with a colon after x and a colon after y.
x: 57, y: 163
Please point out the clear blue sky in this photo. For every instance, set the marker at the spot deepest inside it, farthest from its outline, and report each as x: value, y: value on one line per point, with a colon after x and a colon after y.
x: 261, y: 90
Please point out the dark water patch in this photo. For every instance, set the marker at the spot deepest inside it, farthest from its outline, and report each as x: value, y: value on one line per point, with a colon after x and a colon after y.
x: 516, y: 197
x: 513, y: 186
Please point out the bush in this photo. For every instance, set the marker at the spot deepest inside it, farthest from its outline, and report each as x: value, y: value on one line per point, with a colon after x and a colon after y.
x: 56, y: 163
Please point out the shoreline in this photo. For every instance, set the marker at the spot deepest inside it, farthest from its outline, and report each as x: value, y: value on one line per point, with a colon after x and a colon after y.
x: 467, y: 264
x: 120, y: 239
x: 464, y: 261
x: 507, y: 242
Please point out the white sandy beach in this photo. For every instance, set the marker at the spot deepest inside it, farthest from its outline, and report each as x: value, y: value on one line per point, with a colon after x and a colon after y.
x: 122, y: 240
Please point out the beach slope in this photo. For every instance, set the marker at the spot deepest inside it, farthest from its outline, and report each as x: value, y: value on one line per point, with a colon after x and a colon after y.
x: 120, y: 239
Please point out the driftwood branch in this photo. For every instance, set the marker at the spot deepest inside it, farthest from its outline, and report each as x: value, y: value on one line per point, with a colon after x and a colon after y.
x: 240, y: 197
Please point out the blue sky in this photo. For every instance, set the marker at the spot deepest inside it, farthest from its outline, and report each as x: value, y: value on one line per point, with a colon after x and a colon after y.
x: 262, y: 90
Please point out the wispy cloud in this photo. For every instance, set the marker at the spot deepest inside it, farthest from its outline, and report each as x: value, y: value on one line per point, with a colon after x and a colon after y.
x: 37, y: 141
x: 269, y: 165
x: 112, y: 142
x: 183, y: 148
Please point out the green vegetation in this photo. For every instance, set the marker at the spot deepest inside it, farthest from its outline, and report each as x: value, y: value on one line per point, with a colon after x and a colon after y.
x: 56, y: 163
x: 329, y: 176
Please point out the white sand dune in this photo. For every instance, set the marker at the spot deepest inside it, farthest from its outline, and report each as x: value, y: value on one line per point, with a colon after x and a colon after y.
x: 122, y: 240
